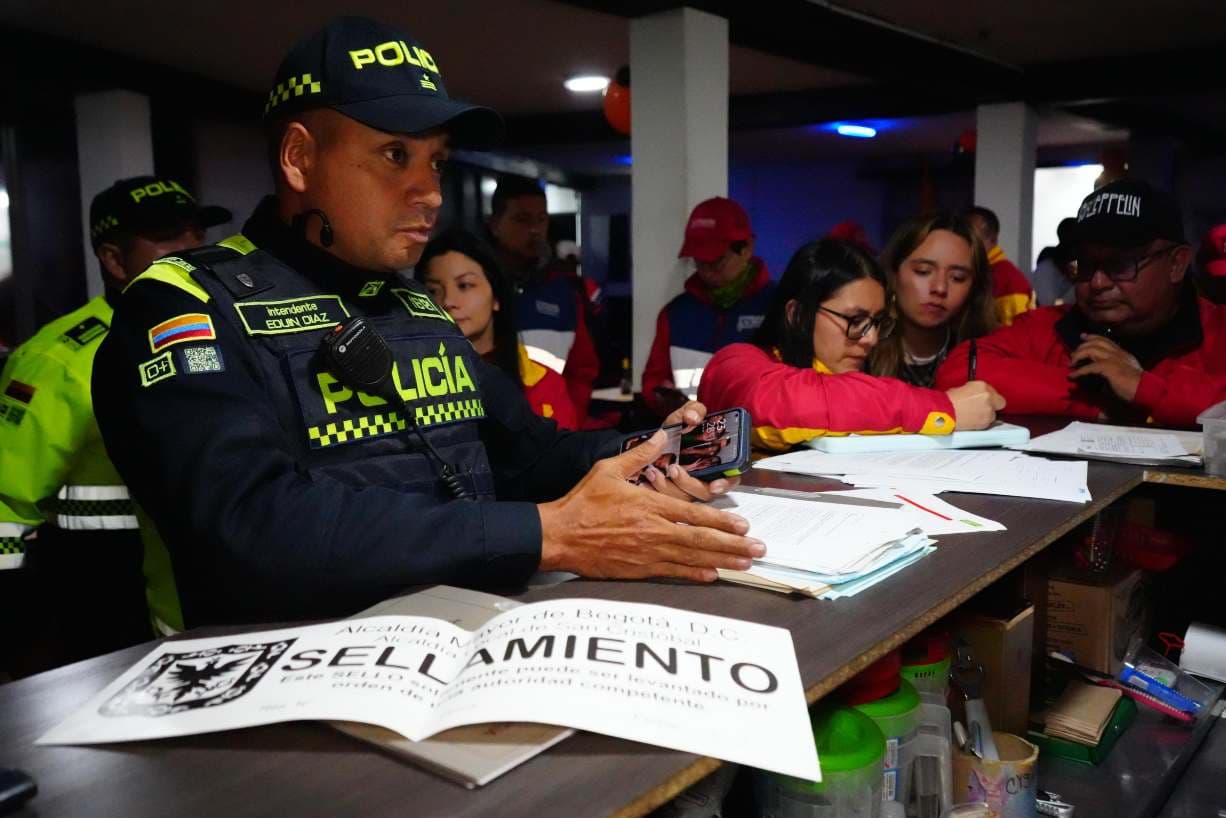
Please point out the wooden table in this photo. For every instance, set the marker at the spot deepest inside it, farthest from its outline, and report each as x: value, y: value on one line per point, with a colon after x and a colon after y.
x: 308, y: 769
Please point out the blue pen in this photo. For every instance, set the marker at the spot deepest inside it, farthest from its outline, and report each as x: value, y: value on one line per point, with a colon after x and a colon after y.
x: 1161, y: 692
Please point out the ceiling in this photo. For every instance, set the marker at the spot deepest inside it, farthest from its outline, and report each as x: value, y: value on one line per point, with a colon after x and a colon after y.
x: 1039, y: 31
x: 510, y: 54
x: 923, y: 65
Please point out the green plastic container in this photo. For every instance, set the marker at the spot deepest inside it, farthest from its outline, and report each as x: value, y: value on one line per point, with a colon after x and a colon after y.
x: 897, y: 716
x: 930, y: 678
x: 1124, y: 714
x: 850, y: 748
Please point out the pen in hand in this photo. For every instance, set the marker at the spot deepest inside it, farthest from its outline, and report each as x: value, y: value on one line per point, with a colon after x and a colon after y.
x: 971, y: 362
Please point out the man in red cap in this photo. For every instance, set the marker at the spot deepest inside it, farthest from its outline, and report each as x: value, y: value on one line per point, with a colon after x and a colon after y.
x: 724, y: 301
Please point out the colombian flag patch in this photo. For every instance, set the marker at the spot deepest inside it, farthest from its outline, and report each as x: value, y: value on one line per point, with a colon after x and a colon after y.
x: 193, y: 326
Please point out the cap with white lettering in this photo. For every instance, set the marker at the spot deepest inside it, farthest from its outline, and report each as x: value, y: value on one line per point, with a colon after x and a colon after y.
x: 379, y: 76
x: 1128, y: 213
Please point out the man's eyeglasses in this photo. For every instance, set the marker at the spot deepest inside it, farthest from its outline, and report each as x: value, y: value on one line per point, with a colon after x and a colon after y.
x: 1120, y: 269
x: 860, y: 325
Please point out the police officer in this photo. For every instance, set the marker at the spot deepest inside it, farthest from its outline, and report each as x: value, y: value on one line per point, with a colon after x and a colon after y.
x: 84, y: 576
x: 283, y: 490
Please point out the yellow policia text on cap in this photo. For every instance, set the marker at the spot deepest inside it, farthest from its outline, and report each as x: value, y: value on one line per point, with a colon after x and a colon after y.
x: 157, y: 189
x: 393, y: 53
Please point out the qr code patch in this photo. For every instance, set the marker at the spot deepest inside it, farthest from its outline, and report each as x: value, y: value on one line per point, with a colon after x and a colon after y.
x: 202, y: 359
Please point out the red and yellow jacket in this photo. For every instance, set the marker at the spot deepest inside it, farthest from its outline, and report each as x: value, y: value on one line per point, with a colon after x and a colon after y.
x: 690, y: 329
x: 1028, y: 363
x: 1011, y: 290
x: 547, y: 392
x: 790, y: 405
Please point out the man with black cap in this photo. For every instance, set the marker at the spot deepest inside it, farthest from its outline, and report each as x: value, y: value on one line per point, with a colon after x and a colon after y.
x: 1139, y: 346
x: 288, y: 483
x: 54, y: 471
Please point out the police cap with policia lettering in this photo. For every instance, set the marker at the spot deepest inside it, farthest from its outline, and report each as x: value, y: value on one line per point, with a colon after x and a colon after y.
x: 379, y: 76
x: 148, y: 206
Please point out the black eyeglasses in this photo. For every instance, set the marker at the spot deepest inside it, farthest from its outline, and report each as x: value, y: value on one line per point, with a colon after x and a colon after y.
x: 860, y: 325
x: 1118, y: 269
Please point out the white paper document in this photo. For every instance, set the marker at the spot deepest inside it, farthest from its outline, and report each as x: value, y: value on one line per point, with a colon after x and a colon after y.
x: 702, y: 684
x: 929, y: 512
x: 1122, y: 443
x: 818, y: 537
x: 1006, y: 473
x: 831, y: 551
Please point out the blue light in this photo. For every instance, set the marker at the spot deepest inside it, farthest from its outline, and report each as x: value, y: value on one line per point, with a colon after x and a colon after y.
x: 623, y: 159
x: 856, y: 131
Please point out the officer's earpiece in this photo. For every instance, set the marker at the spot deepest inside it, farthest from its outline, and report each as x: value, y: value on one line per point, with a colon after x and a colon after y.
x: 325, y: 227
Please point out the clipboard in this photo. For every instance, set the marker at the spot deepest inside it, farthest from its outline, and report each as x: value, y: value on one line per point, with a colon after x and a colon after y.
x: 995, y: 436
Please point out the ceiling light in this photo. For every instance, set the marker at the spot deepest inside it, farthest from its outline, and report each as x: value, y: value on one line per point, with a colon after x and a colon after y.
x: 856, y: 131
x: 586, y: 83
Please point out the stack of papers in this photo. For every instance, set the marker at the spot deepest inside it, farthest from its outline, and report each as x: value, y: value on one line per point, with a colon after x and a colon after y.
x: 1123, y: 444
x: 832, y: 545
x: 1012, y: 474
x: 1082, y: 713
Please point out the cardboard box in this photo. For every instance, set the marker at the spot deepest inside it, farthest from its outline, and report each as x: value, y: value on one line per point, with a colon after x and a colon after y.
x: 1093, y: 617
x: 1003, y: 645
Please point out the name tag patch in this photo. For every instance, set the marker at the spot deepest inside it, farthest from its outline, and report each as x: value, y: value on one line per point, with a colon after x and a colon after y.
x: 291, y: 315
x: 420, y: 304
x: 84, y: 332
x: 746, y: 323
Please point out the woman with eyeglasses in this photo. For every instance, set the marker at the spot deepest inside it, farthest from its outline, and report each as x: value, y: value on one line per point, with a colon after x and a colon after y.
x: 802, y: 377
x: 464, y: 278
x: 940, y: 293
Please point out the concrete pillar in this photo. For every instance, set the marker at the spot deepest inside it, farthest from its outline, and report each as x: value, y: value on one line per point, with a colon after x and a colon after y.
x: 1004, y: 173
x: 114, y: 141
x: 679, y: 145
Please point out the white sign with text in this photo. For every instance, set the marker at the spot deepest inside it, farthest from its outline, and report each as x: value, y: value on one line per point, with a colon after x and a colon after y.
x: 703, y: 684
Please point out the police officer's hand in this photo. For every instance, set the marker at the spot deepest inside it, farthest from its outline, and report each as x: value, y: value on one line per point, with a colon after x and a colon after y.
x: 607, y: 527
x: 676, y: 481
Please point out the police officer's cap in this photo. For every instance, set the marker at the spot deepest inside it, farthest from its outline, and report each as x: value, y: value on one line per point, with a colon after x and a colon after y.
x: 379, y: 76
x: 148, y: 205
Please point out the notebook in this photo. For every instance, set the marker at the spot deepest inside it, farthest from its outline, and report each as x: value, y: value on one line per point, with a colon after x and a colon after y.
x: 998, y: 434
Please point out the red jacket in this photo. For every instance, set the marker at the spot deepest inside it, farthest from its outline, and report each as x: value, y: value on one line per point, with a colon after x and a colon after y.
x: 546, y: 392
x: 690, y: 329
x: 1028, y: 363
x: 789, y: 405
x: 1011, y: 289
x: 550, y: 316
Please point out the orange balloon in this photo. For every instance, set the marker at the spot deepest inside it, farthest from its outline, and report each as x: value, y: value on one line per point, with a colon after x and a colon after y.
x: 617, y: 106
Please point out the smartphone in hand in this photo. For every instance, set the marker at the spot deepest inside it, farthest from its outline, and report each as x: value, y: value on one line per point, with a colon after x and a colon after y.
x: 716, y: 447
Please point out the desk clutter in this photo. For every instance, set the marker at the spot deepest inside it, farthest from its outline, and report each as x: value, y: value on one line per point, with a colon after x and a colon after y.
x: 1051, y: 664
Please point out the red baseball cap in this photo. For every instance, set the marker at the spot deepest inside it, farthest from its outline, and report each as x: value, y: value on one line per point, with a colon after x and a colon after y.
x: 712, y: 227
x: 1213, y: 251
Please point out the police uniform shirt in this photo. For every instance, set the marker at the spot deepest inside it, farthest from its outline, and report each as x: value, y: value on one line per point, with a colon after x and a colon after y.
x: 282, y: 494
